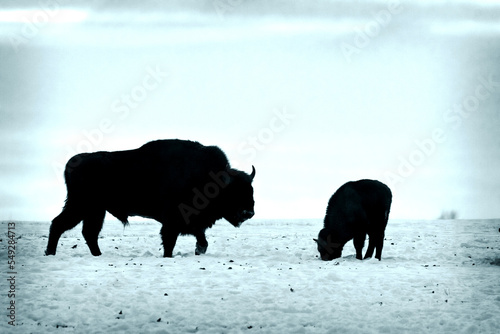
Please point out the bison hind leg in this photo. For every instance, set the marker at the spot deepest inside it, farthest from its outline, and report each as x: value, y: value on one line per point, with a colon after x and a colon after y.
x: 92, y: 225
x: 201, y: 243
x: 371, y: 248
x: 200, y: 249
x: 169, y: 237
x: 376, y: 244
x: 65, y: 221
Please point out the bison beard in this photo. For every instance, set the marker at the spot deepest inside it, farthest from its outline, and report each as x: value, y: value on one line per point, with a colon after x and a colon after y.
x: 355, y: 210
x: 182, y: 184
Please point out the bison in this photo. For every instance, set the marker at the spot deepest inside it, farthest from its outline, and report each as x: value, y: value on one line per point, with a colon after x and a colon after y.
x: 182, y: 184
x: 356, y: 209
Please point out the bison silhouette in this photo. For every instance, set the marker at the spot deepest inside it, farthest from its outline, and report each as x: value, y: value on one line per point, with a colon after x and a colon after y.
x: 182, y: 184
x: 356, y: 209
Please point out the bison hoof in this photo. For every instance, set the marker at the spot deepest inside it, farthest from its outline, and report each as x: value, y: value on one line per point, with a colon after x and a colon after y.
x: 200, y: 249
x: 47, y: 252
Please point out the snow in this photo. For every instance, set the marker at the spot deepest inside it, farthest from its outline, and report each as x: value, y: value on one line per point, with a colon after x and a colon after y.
x: 435, y: 277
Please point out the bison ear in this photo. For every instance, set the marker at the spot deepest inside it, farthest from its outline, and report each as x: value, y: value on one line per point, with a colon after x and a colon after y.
x: 253, y: 173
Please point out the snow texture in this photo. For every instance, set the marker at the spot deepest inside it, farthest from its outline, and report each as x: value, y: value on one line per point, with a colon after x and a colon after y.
x: 266, y: 277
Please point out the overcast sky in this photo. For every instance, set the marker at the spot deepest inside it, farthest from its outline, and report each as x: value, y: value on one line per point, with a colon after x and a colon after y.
x: 313, y: 93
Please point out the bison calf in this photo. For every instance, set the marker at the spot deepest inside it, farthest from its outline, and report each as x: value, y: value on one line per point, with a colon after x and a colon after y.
x: 356, y: 209
x: 182, y: 184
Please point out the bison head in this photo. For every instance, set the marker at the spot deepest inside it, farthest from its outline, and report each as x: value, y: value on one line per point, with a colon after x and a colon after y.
x: 328, y: 247
x: 238, y: 202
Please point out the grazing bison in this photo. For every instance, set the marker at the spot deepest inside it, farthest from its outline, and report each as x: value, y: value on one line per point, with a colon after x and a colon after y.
x: 182, y: 184
x: 356, y: 209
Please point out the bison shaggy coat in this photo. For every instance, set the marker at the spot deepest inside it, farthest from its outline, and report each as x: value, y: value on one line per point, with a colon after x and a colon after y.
x: 182, y: 184
x: 356, y: 209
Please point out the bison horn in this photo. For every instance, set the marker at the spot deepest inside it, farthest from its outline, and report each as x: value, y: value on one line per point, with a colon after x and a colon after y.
x: 253, y: 172
x: 316, y: 240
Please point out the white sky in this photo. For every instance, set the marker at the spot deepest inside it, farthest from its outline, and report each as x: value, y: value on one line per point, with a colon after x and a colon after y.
x: 314, y: 95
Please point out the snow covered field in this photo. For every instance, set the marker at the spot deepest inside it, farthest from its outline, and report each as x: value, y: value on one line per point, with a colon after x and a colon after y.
x: 434, y: 277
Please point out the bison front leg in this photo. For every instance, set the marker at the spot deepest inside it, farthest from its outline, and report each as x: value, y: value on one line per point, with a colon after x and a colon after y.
x: 169, y: 238
x: 201, y: 243
x: 359, y: 243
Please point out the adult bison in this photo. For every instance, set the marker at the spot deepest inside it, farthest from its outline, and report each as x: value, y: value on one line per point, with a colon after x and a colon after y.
x: 356, y: 209
x: 182, y: 184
